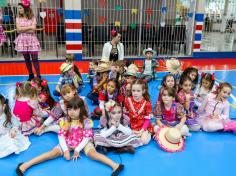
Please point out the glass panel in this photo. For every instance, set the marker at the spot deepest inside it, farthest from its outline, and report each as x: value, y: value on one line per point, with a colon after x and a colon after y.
x: 219, y: 26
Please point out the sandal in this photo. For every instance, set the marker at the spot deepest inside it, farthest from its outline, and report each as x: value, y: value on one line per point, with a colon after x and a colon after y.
x: 18, y: 171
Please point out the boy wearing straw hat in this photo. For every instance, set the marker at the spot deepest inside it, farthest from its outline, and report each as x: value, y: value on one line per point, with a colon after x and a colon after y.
x: 149, y: 65
x: 129, y: 77
x: 70, y: 60
x: 67, y: 76
x: 102, y: 71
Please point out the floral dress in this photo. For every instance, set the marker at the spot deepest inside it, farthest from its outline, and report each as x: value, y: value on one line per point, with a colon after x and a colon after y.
x: 191, y: 113
x: 169, y: 117
x: 71, y: 133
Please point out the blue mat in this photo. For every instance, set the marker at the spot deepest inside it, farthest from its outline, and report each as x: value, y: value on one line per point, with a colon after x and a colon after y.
x: 204, y: 154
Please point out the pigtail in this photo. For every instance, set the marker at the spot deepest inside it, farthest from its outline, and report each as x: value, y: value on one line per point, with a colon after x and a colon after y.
x: 221, y: 86
x: 18, y: 89
x: 7, y: 110
x: 208, y: 77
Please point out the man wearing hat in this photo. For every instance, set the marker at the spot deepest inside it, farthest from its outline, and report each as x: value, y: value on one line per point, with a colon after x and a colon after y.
x: 149, y: 65
x: 68, y: 76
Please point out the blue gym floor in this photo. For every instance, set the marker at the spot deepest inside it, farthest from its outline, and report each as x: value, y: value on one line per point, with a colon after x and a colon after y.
x: 205, y: 153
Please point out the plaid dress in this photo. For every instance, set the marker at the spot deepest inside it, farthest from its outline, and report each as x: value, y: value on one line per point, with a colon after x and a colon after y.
x: 26, y: 41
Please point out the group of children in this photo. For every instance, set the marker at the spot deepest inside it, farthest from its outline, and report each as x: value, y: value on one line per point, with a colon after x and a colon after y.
x: 124, y: 111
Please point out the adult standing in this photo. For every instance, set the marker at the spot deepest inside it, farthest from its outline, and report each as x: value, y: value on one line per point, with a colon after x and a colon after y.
x: 27, y: 42
x: 114, y: 49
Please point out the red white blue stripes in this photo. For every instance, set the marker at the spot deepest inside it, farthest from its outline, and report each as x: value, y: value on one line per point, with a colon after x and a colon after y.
x: 73, y: 29
x: 199, y: 17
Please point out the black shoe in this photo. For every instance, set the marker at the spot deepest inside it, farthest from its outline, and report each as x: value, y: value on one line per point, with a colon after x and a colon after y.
x: 118, y: 170
x: 127, y: 149
x: 31, y: 76
x: 102, y: 149
x: 18, y: 171
x: 39, y: 76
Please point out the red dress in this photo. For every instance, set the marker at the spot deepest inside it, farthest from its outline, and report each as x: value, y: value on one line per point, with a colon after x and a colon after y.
x: 138, y: 112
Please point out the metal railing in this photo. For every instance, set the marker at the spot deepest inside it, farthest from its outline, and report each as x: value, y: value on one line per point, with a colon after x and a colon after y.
x: 50, y: 25
x: 160, y: 24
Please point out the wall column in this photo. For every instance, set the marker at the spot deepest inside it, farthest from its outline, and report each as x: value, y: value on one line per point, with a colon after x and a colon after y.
x: 73, y: 28
x: 199, y: 19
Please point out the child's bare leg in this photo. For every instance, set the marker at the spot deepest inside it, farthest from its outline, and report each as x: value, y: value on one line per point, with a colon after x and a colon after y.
x: 54, y: 153
x: 146, y: 137
x: 93, y: 154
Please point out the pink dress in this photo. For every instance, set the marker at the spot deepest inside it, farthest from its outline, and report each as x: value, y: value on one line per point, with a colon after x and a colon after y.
x: 26, y: 41
x: 211, y: 106
x: 2, y: 35
x: 28, y: 114
x: 73, y: 133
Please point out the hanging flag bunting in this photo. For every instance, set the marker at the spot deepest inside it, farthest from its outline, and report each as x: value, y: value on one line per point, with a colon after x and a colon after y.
x: 190, y: 14
x: 6, y: 18
x: 42, y: 14
x: 59, y: 11
x: 102, y: 3
x: 148, y: 26
x: 101, y: 19
x: 117, y: 23
x: 118, y: 7
x: 133, y: 25
x: 134, y: 11
x: 84, y: 13
x: 164, y: 10
x: 163, y: 13
x: 3, y: 3
x: 149, y: 11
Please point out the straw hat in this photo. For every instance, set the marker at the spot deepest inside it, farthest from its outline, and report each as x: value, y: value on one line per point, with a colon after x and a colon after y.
x: 131, y: 70
x: 65, y: 67
x: 149, y: 50
x: 102, y: 67
x: 104, y: 59
x: 173, y: 65
x: 170, y: 139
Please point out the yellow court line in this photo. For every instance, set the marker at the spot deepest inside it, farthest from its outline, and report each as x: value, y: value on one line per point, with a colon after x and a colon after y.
x: 233, y: 106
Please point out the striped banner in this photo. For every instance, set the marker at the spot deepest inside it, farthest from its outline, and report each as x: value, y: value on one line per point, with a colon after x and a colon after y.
x: 199, y: 17
x: 73, y: 29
